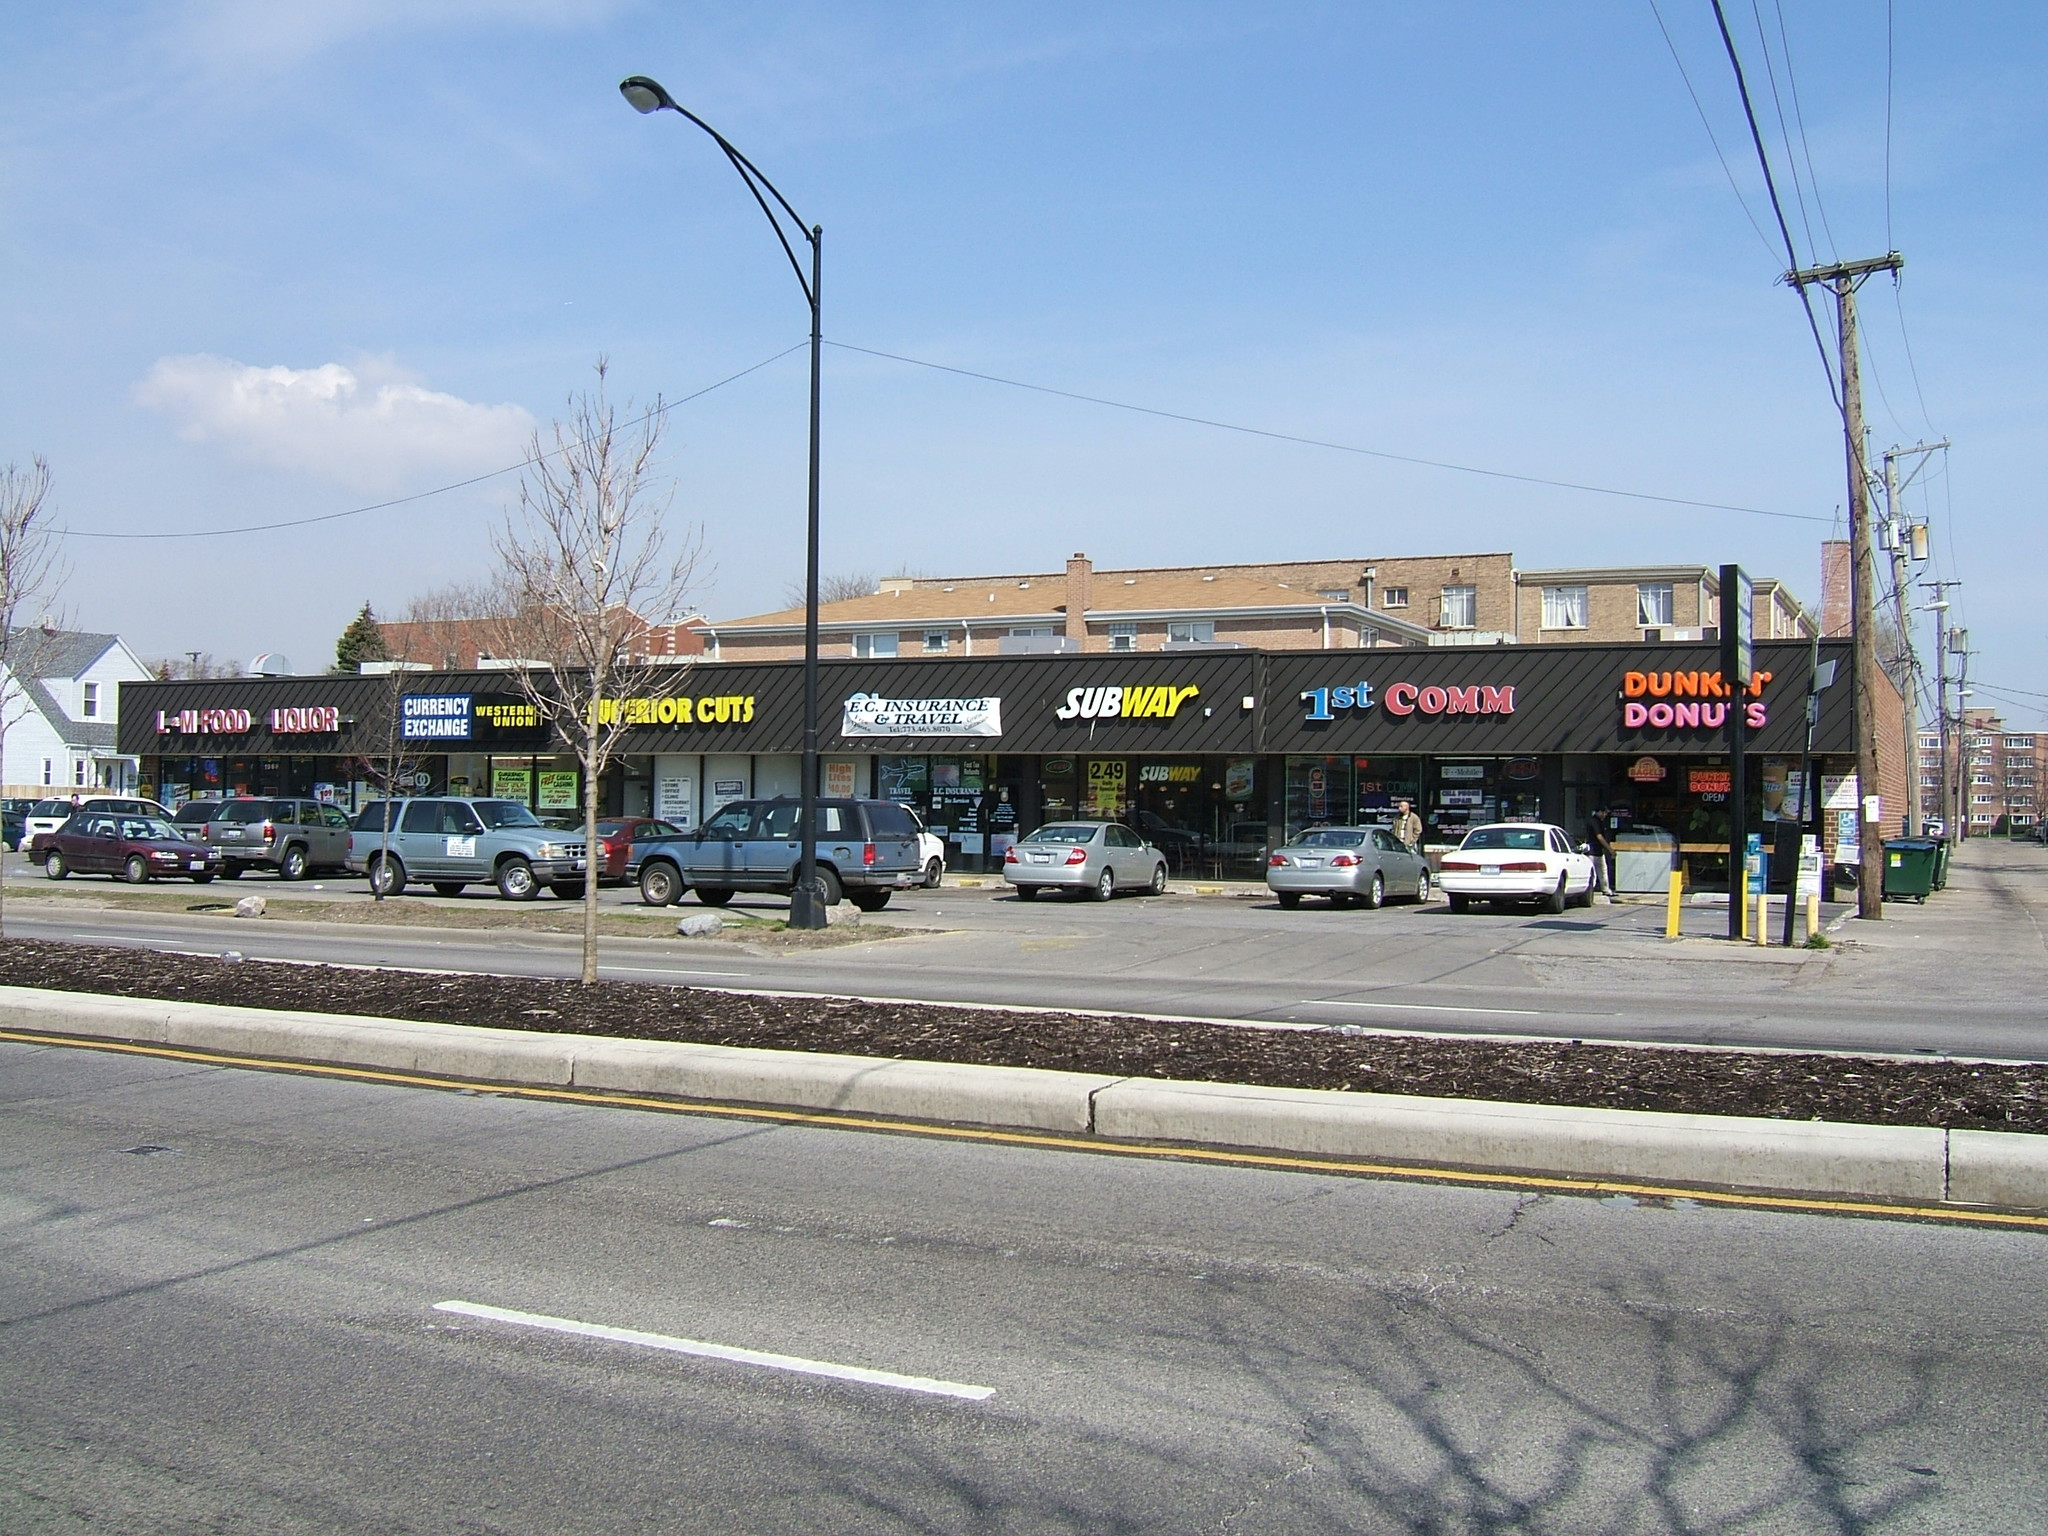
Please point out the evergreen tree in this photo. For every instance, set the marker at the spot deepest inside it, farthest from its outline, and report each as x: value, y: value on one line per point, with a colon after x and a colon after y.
x: 362, y: 641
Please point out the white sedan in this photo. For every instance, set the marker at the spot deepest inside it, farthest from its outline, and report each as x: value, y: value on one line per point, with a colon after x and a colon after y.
x: 1517, y: 861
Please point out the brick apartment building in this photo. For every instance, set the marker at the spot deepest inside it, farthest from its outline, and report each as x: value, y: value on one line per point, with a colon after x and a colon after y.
x: 1996, y: 774
x: 1473, y: 599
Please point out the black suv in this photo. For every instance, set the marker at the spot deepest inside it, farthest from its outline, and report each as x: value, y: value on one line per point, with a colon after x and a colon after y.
x: 865, y: 849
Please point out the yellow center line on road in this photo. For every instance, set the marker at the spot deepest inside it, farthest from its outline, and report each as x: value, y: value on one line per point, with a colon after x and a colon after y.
x: 1953, y: 1215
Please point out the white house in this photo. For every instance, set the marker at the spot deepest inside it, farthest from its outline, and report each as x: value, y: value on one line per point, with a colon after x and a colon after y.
x: 61, y: 718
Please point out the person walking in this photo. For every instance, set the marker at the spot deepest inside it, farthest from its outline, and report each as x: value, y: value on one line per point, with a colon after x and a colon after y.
x: 1407, y: 826
x: 1603, y: 852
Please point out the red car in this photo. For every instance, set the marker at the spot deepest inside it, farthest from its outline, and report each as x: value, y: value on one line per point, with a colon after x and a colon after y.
x: 615, y: 835
x: 137, y: 848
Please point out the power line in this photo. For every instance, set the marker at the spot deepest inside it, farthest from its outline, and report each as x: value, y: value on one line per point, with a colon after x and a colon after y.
x: 1316, y: 442
x: 1771, y: 186
x: 1889, y: 8
x: 1707, y: 124
x: 439, y: 490
x: 1799, y: 119
x: 1763, y: 43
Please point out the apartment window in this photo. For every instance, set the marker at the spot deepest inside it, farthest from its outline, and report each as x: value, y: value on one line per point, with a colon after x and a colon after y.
x: 78, y: 767
x: 2019, y: 781
x: 1460, y: 608
x: 48, y: 766
x: 1123, y: 637
x: 874, y: 645
x: 1930, y: 743
x: 1982, y: 778
x: 1393, y: 597
x: 89, y: 708
x: 1336, y: 595
x: 1654, y: 605
x: 1191, y: 631
x: 1564, y: 607
x: 1983, y: 799
x: 2012, y: 743
x: 2022, y: 800
x: 1032, y: 631
x: 934, y: 642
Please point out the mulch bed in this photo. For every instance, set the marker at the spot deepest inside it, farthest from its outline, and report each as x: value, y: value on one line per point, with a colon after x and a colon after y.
x: 1785, y: 1087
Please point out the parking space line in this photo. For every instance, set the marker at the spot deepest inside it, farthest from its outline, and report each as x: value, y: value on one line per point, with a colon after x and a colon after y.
x: 726, y: 1352
x: 673, y: 970
x: 1527, y: 1013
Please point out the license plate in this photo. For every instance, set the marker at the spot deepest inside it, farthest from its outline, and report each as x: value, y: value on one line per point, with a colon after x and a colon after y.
x: 1041, y: 858
x: 197, y: 864
x: 1489, y: 869
x: 579, y: 864
x: 1310, y: 863
x: 231, y: 835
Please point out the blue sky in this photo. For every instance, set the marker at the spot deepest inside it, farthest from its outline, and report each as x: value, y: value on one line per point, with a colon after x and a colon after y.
x: 263, y: 261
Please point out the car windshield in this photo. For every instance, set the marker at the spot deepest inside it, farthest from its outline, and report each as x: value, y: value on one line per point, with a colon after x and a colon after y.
x: 1332, y: 837
x: 506, y: 813
x: 144, y: 829
x: 245, y: 810
x: 1066, y: 832
x: 1504, y: 837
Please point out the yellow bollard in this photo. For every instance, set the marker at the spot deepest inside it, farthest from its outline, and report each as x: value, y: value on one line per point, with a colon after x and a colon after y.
x: 1812, y: 915
x: 1672, y: 913
x: 1763, y: 918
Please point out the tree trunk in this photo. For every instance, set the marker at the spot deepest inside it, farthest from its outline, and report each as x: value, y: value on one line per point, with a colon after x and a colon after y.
x: 591, y: 755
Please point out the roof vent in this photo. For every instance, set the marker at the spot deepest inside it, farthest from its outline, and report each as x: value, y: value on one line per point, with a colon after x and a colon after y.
x: 270, y: 664
x: 1208, y: 578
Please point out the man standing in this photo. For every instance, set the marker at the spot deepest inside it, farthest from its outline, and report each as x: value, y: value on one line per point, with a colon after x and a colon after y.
x: 1603, y: 852
x: 1407, y: 825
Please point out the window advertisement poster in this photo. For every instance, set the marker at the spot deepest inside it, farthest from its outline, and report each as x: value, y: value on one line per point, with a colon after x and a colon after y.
x: 673, y: 801
x: 512, y: 784
x: 957, y: 787
x: 558, y: 790
x: 724, y: 791
x: 1777, y: 777
x: 839, y: 780
x: 1239, y: 777
x: 907, y: 779
x: 1104, y: 790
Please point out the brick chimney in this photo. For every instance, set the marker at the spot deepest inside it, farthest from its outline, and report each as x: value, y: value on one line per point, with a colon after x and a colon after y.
x: 1837, y: 617
x: 1080, y: 578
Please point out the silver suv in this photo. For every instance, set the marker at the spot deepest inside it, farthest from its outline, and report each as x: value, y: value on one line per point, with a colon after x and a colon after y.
x: 293, y: 837
x: 453, y: 843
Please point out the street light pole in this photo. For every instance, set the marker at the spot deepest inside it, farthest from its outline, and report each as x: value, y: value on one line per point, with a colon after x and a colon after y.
x: 645, y: 95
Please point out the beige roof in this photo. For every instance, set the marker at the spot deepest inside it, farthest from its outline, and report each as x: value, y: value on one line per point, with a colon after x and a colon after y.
x: 1010, y: 598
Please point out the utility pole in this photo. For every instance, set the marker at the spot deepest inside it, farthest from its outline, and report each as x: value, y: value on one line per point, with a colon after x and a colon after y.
x: 1843, y: 278
x: 1960, y: 638
x: 1907, y: 545
x: 1939, y: 608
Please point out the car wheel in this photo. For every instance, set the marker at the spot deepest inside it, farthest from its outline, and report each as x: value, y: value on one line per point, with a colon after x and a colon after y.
x: 568, y: 890
x: 1339, y: 900
x: 202, y: 879
x: 231, y: 871
x: 1459, y: 903
x: 934, y: 872
x: 1158, y: 886
x: 387, y: 875
x: 54, y: 866
x: 1422, y: 890
x: 516, y: 882
x: 1288, y: 899
x: 293, y: 865
x: 1554, y: 902
x: 1027, y: 893
x: 660, y: 885
x: 1376, y: 893
x: 828, y: 888
x: 869, y: 901
x: 1105, y: 887
x: 136, y: 870
x: 713, y: 895
x: 447, y: 887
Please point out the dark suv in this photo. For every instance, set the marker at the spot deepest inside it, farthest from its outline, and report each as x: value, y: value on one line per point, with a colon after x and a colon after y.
x: 865, y: 849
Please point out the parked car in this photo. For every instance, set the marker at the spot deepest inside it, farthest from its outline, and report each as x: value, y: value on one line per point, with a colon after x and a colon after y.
x: 191, y: 817
x: 293, y: 837
x: 865, y: 850
x: 49, y: 815
x: 931, y: 852
x: 1517, y: 861
x: 615, y: 838
x: 453, y: 843
x: 1351, y: 865
x: 137, y: 848
x: 1084, y: 858
x: 14, y: 823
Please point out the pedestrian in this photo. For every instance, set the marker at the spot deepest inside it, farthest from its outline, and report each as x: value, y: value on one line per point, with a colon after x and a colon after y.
x: 1603, y: 851
x: 1407, y: 825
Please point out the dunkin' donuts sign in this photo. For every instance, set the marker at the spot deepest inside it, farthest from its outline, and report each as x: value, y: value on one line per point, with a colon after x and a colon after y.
x: 1686, y: 701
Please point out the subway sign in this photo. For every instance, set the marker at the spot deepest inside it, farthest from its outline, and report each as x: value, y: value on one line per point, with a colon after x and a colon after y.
x: 1402, y: 699
x: 1131, y: 703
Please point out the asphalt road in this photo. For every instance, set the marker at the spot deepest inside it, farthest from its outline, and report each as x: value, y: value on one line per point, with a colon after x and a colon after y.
x: 1961, y: 975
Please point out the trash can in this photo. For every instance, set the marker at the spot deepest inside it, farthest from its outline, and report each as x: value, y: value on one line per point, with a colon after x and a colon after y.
x: 1941, y: 863
x: 1909, y: 868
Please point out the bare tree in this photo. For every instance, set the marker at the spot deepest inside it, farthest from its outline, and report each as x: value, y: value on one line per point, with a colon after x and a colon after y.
x: 833, y: 589
x: 32, y: 573
x: 192, y: 664
x: 587, y: 565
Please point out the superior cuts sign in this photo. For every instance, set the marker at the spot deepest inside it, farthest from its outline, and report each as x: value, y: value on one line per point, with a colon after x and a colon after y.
x: 869, y: 714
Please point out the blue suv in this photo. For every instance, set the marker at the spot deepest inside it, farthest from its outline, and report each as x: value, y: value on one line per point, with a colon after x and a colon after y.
x: 866, y: 850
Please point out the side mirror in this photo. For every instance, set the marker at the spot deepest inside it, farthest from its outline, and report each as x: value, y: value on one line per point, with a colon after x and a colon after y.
x: 1585, y: 847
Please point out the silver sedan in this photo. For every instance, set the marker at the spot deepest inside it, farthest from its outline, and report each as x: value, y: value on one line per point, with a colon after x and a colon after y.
x: 1353, y: 866
x: 1093, y: 858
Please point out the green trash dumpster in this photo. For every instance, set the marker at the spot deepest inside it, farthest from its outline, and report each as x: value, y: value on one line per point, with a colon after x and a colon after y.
x: 1909, y: 867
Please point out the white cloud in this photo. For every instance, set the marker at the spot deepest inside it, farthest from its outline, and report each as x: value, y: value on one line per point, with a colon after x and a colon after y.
x: 373, y: 428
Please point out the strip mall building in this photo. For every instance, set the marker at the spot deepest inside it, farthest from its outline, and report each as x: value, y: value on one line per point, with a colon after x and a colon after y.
x: 1216, y: 755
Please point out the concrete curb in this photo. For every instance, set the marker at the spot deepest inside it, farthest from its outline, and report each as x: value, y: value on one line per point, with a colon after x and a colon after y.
x: 1901, y: 1165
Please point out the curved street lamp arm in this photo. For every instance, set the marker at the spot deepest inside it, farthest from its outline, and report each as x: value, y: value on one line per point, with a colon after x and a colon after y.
x: 751, y: 176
